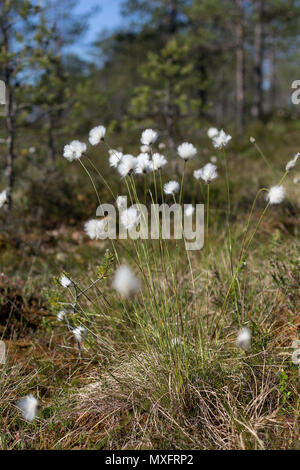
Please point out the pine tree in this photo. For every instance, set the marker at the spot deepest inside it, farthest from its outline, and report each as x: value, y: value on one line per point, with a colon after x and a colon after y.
x: 165, y: 94
x: 17, y: 20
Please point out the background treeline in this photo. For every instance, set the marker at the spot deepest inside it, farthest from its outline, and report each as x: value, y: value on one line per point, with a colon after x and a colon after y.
x: 177, y: 65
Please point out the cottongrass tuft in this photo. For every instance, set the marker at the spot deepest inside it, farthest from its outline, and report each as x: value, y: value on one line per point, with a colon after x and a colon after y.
x: 130, y: 218
x: 125, y: 282
x: 197, y: 174
x: 172, y: 187
x: 74, y: 150
x: 252, y: 140
x: 142, y: 164
x: 221, y: 139
x: 79, y: 333
x: 208, y: 173
x: 149, y: 137
x: 212, y: 132
x: 158, y: 161
x: 3, y: 198
x: 145, y: 148
x: 186, y: 151
x: 96, y: 135
x: 95, y: 229
x: 115, y: 158
x: 127, y: 165
x: 292, y: 163
x: 29, y: 406
x: 276, y: 195
x: 243, y: 340
x: 61, y: 315
x: 65, y: 281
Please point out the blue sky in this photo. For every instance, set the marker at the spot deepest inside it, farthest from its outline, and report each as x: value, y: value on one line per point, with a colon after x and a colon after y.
x: 108, y: 16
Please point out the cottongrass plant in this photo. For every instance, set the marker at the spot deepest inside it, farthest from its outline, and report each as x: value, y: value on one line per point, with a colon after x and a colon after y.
x: 150, y: 161
x: 3, y: 197
x: 176, y: 328
x: 29, y: 406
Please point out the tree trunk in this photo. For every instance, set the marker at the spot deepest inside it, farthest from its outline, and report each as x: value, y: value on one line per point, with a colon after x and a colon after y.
x: 51, y: 145
x: 10, y: 119
x: 173, y: 17
x: 202, y: 91
x: 10, y: 174
x: 272, y: 91
x: 257, y: 108
x: 239, y: 68
x: 169, y: 115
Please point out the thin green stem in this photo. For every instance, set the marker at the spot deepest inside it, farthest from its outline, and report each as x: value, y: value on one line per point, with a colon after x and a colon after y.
x: 92, y: 181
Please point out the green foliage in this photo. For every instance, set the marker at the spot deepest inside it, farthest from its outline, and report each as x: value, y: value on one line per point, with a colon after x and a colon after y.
x: 167, y: 93
x: 105, y: 268
x: 284, y: 386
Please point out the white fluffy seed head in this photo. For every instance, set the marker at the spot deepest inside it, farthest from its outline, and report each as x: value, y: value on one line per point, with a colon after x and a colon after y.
x: 221, y: 139
x: 79, y: 333
x: 149, y: 137
x: 61, y: 315
x: 276, y: 195
x: 74, y: 150
x: 121, y: 203
x: 189, y: 210
x: 252, y: 140
x: 96, y: 135
x: 65, y: 281
x: 212, y: 132
x: 172, y: 187
x: 161, y: 146
x: 130, y: 218
x: 296, y: 180
x: 158, y: 161
x: 145, y: 148
x: 243, y: 339
x: 3, y: 198
x: 292, y: 163
x: 186, y: 151
x: 214, y: 159
x: 296, y: 357
x: 142, y: 163
x: 208, y: 173
x: 95, y: 229
x: 29, y: 406
x: 115, y: 158
x: 127, y: 165
x: 125, y: 282
x: 197, y: 174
